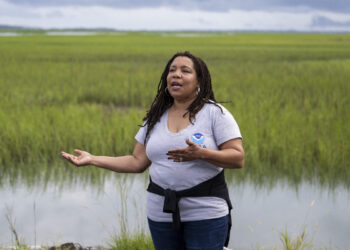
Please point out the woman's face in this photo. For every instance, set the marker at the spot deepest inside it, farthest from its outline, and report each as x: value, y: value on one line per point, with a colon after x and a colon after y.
x: 182, y: 80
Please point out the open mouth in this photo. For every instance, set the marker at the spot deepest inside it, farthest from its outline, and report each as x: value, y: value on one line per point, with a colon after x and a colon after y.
x: 175, y: 85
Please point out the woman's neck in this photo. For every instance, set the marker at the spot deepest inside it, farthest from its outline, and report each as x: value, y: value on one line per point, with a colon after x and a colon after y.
x: 182, y: 105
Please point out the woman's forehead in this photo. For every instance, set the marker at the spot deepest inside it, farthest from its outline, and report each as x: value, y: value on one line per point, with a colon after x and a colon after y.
x: 181, y: 61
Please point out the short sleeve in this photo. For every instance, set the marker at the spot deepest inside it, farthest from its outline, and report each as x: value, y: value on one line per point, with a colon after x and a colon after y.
x: 225, y: 127
x: 141, y: 134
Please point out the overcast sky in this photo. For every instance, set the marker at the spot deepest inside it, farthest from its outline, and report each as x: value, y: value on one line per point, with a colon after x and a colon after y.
x: 278, y: 15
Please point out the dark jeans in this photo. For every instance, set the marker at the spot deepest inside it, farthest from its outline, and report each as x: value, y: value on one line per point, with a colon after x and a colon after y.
x: 196, y: 235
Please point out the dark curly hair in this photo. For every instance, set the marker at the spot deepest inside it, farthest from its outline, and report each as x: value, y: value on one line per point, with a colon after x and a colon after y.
x: 164, y: 100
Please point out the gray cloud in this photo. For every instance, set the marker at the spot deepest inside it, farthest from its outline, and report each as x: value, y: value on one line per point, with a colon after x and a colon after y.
x: 341, y: 6
x: 55, y: 14
x: 322, y: 21
x: 12, y: 11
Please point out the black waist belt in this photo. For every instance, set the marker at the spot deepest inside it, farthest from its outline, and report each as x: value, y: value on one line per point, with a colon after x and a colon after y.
x: 215, y: 187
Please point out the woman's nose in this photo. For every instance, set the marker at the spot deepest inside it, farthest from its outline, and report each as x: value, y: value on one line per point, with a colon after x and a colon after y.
x: 177, y: 74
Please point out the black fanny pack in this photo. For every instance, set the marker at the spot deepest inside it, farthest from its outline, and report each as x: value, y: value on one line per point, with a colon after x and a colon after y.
x: 214, y: 187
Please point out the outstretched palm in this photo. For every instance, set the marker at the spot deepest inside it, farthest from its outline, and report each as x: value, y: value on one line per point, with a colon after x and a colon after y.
x: 83, y: 158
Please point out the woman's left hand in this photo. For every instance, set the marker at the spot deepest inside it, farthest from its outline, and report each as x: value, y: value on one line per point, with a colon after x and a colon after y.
x: 192, y: 152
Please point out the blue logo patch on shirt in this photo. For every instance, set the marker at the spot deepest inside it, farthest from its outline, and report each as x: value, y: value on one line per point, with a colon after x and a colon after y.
x: 199, y: 139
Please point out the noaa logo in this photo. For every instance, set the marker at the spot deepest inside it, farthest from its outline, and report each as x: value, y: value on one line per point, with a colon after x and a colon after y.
x: 199, y: 139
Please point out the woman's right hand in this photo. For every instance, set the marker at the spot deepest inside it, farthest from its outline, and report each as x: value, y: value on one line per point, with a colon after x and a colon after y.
x: 84, y: 158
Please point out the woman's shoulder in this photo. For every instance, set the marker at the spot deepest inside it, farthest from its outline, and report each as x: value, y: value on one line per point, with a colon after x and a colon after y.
x: 214, y: 108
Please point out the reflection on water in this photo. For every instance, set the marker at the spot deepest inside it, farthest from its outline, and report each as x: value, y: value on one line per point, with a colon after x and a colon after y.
x: 62, y: 33
x: 71, y: 33
x: 81, y: 213
x: 63, y: 175
x: 10, y: 34
x: 89, y: 215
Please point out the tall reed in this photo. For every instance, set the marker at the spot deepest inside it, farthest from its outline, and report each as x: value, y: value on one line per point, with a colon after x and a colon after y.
x: 288, y: 93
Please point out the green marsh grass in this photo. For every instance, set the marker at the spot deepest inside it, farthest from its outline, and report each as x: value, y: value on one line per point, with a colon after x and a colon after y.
x: 299, y: 242
x: 139, y: 241
x: 288, y: 92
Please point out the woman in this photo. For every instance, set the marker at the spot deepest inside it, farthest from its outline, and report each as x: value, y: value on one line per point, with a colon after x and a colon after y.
x: 187, y: 139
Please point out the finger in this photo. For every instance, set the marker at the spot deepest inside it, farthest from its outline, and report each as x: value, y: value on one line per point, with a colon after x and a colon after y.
x: 77, y: 151
x: 71, y: 158
x: 176, y: 151
x: 65, y: 155
x: 74, y: 160
x: 68, y: 157
x: 189, y: 143
x: 178, y: 160
x: 183, y: 154
x: 176, y: 156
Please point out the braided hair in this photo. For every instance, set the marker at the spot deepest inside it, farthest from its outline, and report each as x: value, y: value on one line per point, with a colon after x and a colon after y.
x: 164, y: 100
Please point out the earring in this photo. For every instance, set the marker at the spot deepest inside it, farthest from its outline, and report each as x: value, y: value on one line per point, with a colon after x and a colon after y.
x: 198, y: 90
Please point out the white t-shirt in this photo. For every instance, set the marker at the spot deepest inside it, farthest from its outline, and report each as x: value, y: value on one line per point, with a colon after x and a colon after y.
x: 210, y: 129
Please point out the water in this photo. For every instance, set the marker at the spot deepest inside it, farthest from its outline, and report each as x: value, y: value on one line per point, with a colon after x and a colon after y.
x: 90, y: 215
x: 62, y: 33
x: 10, y: 34
x: 71, y: 33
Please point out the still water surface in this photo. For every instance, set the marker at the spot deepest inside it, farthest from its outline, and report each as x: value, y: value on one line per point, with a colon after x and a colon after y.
x: 82, y: 213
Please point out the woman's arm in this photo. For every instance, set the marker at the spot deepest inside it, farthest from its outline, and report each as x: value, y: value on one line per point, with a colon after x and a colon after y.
x: 135, y: 163
x: 229, y: 155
